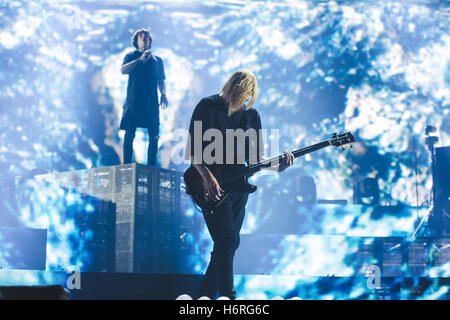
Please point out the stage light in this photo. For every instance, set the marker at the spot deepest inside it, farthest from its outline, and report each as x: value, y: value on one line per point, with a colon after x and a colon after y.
x: 366, y: 191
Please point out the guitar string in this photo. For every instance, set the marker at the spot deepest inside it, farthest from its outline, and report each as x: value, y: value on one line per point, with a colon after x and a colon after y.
x: 248, y: 170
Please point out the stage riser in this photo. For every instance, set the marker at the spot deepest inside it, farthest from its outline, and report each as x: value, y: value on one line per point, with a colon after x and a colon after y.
x: 143, y: 206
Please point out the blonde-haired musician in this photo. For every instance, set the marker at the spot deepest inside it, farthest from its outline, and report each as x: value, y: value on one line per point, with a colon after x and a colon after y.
x: 231, y: 109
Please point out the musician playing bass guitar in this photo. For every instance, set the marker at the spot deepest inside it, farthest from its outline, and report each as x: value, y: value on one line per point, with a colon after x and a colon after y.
x: 214, y: 119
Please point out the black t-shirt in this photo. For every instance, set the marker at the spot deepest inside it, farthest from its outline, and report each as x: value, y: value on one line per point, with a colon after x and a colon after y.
x: 142, y: 89
x: 240, y: 132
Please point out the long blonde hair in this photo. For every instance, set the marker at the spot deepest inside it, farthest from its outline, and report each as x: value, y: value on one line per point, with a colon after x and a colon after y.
x: 239, y: 88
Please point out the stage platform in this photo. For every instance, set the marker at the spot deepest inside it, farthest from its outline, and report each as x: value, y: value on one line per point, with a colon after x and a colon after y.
x: 131, y: 232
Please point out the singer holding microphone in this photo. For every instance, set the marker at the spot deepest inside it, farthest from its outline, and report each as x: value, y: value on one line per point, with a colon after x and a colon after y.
x: 141, y: 109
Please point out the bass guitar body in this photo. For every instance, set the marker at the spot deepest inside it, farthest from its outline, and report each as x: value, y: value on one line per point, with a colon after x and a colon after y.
x: 194, y: 185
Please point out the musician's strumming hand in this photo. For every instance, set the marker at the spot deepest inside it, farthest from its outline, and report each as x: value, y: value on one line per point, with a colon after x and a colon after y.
x: 213, y: 191
x: 287, y: 160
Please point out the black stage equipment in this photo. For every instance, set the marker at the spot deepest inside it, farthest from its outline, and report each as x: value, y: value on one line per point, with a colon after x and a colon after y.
x: 366, y: 191
x: 437, y: 217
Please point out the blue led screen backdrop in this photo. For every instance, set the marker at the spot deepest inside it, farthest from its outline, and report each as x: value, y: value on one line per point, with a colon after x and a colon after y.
x: 378, y: 69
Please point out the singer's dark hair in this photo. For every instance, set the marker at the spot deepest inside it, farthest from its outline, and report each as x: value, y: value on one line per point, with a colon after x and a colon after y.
x: 134, y: 38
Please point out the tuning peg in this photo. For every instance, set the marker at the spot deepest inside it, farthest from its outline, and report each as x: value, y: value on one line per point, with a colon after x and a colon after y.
x: 334, y: 135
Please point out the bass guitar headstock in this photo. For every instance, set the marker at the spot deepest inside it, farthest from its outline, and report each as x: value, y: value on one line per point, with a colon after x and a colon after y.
x: 343, y: 140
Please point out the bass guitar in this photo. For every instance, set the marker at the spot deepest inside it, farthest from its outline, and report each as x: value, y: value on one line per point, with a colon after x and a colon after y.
x: 235, y: 177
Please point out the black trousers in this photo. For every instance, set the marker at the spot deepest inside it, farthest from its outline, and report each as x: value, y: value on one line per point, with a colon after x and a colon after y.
x: 128, y: 146
x: 224, y: 225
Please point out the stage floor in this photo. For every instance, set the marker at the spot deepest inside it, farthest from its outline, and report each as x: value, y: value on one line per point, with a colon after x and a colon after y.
x: 145, y: 286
